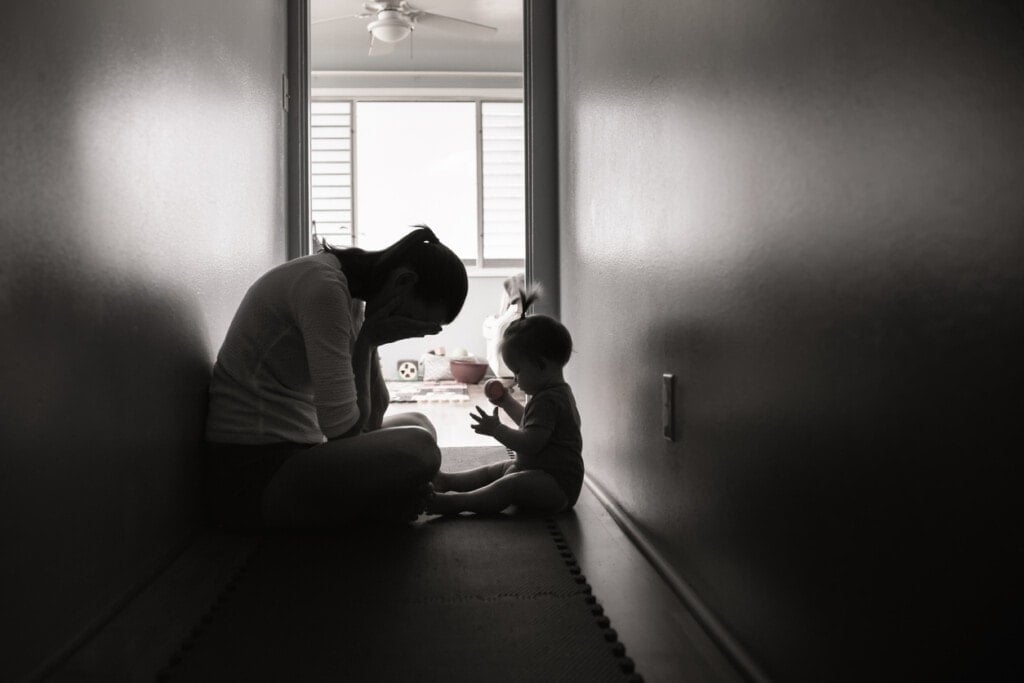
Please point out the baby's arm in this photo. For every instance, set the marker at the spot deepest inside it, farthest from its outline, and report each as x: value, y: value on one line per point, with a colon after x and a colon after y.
x: 525, y: 442
x: 513, y: 408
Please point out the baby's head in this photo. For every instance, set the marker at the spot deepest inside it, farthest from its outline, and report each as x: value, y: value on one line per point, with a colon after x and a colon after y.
x: 535, y: 347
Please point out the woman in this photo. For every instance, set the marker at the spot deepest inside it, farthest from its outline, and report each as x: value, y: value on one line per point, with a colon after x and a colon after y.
x: 296, y: 430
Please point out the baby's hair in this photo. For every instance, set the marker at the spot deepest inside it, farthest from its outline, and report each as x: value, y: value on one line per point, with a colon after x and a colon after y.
x: 540, y: 338
x: 527, y: 297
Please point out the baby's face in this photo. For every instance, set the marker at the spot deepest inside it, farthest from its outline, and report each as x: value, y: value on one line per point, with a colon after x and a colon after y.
x: 529, y: 376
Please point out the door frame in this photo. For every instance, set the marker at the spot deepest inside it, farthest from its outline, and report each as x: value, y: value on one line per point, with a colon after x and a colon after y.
x: 297, y: 101
x: 540, y: 98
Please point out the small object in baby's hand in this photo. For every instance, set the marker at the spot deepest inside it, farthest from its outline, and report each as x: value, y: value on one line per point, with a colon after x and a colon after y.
x: 494, y: 389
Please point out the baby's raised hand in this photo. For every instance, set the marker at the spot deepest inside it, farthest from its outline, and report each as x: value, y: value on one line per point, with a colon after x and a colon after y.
x: 485, y: 424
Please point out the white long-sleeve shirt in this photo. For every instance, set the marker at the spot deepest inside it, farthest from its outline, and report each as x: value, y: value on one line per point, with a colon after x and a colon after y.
x: 284, y: 372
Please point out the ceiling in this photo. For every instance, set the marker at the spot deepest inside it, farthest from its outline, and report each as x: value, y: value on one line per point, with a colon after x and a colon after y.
x: 342, y: 45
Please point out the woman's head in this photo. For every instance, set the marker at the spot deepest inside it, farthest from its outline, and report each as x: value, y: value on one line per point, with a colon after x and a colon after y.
x: 539, y: 340
x: 428, y: 277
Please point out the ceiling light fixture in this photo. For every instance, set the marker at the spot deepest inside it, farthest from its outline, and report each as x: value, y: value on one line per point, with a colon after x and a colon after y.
x: 391, y: 26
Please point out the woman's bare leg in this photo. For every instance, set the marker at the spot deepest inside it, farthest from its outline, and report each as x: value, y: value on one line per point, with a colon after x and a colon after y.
x: 341, y: 480
x: 470, y: 480
x: 532, y: 489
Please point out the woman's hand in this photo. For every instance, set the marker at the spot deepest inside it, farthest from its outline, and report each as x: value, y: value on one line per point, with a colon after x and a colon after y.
x: 382, y: 327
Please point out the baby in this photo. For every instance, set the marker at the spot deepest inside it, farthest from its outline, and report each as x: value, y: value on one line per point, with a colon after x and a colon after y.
x: 547, y: 473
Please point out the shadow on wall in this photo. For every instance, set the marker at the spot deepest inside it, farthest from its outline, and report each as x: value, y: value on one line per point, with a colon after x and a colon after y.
x: 142, y: 188
x: 102, y: 411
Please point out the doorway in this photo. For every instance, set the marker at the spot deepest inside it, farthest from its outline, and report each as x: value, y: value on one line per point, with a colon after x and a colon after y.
x: 535, y: 34
x: 339, y: 174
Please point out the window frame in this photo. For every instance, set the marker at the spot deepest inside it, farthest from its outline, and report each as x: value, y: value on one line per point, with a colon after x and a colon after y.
x: 481, y: 264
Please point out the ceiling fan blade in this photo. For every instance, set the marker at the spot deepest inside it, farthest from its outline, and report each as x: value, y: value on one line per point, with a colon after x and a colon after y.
x: 347, y: 16
x: 459, y: 27
x: 379, y: 47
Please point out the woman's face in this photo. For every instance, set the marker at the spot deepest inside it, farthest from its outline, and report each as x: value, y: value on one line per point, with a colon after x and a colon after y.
x: 417, y: 309
x: 402, y: 286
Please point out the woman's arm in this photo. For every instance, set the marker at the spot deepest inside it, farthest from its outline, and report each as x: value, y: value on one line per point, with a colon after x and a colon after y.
x: 362, y: 357
x: 379, y: 328
x: 380, y: 397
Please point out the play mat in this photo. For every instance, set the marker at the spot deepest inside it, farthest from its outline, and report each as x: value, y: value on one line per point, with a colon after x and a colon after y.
x: 428, y: 392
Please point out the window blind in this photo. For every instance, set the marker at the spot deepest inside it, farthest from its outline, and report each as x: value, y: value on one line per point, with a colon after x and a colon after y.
x: 503, y: 175
x: 330, y: 153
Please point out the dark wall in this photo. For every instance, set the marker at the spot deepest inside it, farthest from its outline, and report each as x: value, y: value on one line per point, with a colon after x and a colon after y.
x: 812, y: 214
x: 142, y: 148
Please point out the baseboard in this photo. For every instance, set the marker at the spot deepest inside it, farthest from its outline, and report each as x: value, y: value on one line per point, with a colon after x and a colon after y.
x: 714, y: 627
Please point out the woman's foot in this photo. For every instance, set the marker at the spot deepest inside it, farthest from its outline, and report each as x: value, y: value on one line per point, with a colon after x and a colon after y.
x: 442, y: 503
x: 418, y: 503
x: 440, y: 483
x: 408, y: 507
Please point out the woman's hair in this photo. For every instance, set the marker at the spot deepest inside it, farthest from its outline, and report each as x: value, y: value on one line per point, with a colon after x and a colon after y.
x: 441, y: 275
x: 539, y: 338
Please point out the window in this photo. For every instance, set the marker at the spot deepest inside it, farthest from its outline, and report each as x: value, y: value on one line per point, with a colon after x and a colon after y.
x: 417, y: 164
x: 378, y: 167
x: 504, y: 189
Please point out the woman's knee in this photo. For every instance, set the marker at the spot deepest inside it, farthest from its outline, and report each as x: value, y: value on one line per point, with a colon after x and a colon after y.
x: 422, y: 450
x: 410, y: 420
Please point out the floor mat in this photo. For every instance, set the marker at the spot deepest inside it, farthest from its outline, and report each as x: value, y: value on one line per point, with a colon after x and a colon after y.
x: 468, y: 457
x: 474, y: 598
x: 427, y: 392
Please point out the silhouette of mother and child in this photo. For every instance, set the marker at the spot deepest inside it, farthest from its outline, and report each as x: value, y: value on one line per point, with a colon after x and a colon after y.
x: 297, y: 434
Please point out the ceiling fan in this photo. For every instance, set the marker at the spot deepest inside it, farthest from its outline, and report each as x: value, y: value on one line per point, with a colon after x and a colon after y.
x: 395, y: 21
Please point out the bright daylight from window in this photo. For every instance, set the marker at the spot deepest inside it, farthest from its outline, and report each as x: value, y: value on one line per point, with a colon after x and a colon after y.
x: 378, y: 167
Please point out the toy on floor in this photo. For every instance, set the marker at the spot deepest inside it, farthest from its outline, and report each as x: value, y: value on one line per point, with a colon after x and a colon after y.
x: 408, y: 370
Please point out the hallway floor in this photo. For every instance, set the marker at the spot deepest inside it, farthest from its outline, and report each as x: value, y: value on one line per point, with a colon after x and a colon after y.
x: 659, y: 632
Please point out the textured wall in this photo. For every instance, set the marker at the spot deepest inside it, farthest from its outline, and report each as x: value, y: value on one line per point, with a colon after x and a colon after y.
x: 141, y: 191
x: 813, y: 214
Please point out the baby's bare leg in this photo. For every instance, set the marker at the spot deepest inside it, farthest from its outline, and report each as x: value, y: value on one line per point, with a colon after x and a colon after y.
x: 470, y: 480
x: 532, y: 489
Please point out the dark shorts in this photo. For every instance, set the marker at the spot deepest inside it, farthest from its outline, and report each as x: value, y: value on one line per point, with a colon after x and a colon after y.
x: 236, y: 477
